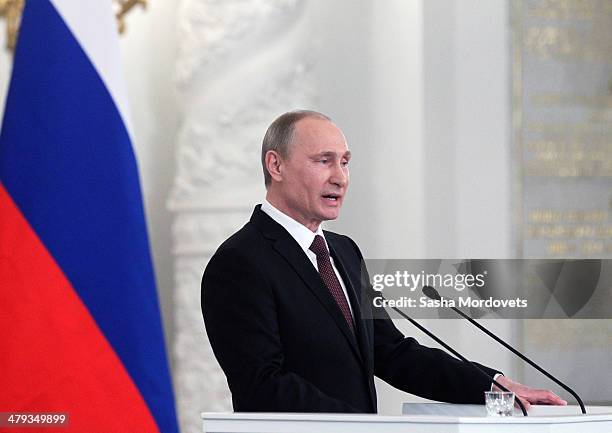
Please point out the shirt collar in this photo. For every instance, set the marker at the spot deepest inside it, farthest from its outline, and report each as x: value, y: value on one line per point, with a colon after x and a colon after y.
x: 302, y: 234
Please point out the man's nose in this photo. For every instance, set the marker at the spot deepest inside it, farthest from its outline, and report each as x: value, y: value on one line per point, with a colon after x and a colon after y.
x: 339, y: 176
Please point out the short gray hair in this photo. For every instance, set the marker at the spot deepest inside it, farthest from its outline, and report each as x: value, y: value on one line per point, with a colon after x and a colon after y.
x: 280, y: 135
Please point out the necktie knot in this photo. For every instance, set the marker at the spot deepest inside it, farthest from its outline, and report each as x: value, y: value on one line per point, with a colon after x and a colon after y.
x: 319, y: 248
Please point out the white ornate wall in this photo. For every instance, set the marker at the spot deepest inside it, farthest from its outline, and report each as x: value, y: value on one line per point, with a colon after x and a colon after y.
x: 240, y: 64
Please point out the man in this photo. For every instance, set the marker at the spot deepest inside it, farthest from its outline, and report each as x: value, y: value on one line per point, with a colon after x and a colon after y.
x: 280, y: 297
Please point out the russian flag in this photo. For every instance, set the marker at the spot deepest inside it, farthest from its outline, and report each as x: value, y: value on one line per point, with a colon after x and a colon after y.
x: 80, y: 328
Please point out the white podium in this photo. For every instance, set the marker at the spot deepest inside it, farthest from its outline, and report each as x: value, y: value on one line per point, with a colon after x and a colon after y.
x: 429, y: 418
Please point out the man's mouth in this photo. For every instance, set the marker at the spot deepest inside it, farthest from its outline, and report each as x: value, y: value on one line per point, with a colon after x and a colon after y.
x: 332, y: 197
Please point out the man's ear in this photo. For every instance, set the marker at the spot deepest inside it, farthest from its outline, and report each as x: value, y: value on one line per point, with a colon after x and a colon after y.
x: 273, y: 164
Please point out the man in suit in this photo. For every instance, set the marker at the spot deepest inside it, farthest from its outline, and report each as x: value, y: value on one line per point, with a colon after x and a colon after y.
x: 281, y: 302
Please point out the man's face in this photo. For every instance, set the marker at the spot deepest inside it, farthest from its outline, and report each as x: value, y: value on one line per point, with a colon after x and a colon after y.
x: 315, y: 176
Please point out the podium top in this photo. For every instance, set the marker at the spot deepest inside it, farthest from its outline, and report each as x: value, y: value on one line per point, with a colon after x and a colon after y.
x: 475, y: 410
x: 597, y: 420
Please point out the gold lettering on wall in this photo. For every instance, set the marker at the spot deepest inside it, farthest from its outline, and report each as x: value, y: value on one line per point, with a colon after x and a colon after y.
x: 571, y: 232
x: 570, y: 149
x: 575, y: 30
x: 569, y: 9
x: 562, y: 124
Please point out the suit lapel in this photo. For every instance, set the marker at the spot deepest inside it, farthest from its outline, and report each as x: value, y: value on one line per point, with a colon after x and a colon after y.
x: 290, y: 250
x: 295, y: 256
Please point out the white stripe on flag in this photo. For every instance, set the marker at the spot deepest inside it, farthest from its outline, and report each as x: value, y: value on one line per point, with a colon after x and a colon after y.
x: 93, y: 24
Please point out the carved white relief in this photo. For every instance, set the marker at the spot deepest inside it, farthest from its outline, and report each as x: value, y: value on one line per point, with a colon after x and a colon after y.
x: 199, y: 382
x: 215, y: 32
x: 201, y: 233
x: 240, y: 64
x: 224, y: 151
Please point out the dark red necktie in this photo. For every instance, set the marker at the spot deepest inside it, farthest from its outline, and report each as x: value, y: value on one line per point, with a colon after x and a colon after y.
x: 330, y: 279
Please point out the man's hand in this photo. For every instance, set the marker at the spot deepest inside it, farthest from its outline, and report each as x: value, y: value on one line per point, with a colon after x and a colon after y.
x: 529, y: 395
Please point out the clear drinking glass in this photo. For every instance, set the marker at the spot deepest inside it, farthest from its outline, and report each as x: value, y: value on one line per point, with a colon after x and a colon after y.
x: 499, y: 403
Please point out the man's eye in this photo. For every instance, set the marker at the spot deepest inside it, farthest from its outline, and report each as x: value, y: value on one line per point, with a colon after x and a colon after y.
x: 345, y: 163
x: 324, y: 161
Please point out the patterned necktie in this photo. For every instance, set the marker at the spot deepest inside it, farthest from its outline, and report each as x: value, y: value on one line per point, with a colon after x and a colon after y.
x: 330, y: 279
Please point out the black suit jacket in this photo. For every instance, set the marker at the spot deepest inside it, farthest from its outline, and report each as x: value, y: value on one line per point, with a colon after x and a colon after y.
x: 284, y: 345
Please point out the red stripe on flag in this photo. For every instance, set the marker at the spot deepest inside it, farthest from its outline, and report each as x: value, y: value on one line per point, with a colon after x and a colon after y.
x: 53, y: 356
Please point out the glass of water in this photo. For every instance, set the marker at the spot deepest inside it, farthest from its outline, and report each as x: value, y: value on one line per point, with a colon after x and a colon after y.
x: 499, y: 403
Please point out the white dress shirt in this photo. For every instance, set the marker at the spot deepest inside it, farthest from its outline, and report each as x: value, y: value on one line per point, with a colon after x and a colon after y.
x: 304, y: 237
